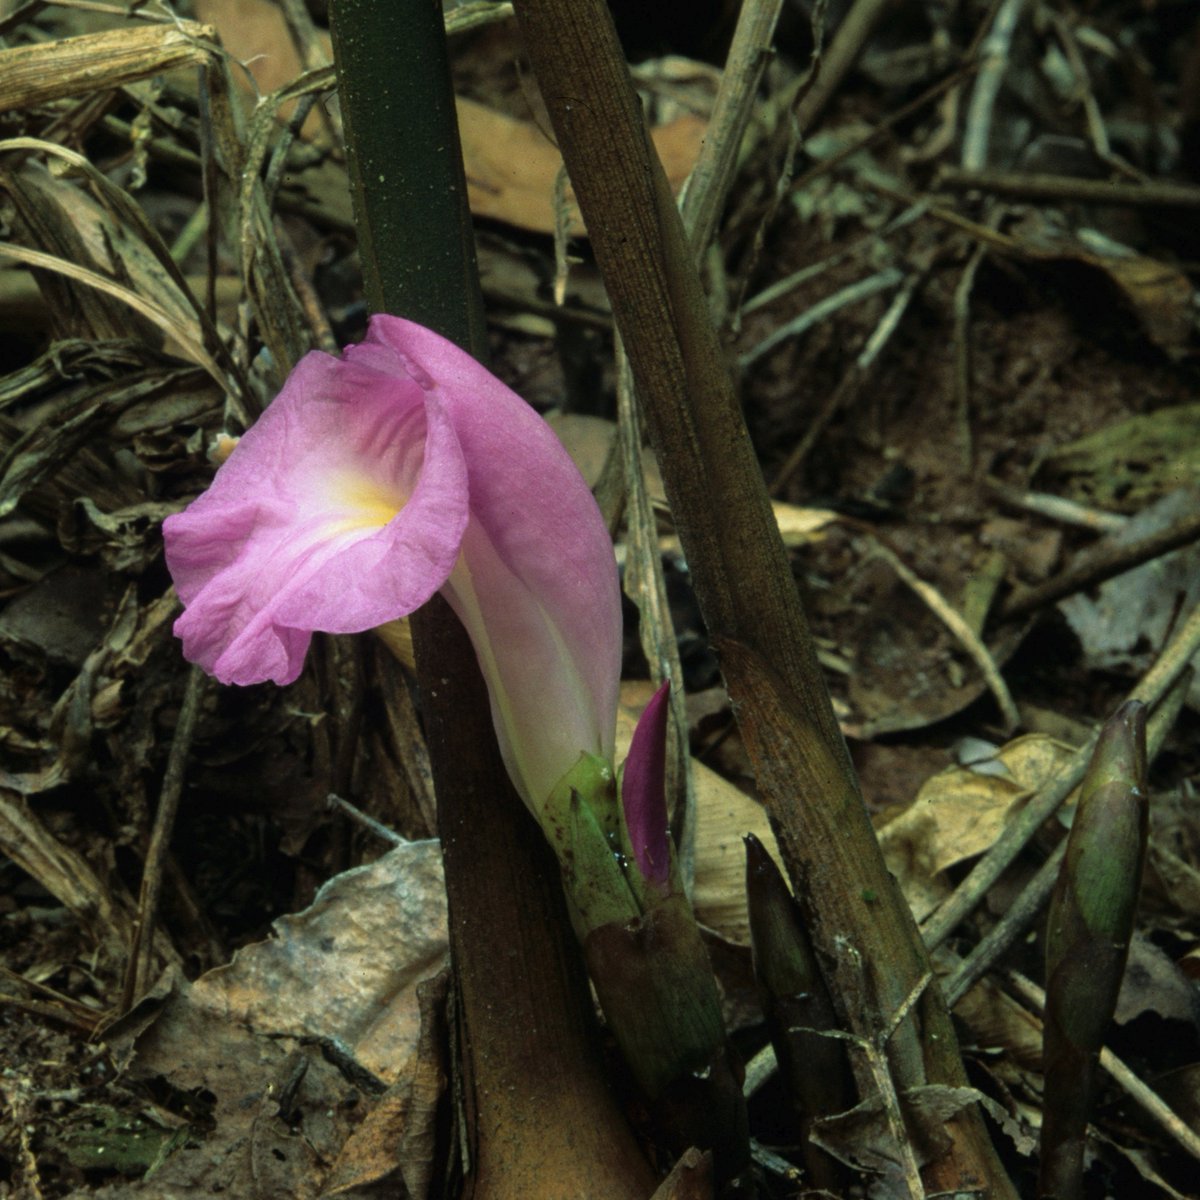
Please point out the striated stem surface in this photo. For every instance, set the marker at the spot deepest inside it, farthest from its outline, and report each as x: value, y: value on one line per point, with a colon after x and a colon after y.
x: 740, y: 568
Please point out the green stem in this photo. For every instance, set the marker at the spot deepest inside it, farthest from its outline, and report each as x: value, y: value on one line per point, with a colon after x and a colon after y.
x: 406, y: 171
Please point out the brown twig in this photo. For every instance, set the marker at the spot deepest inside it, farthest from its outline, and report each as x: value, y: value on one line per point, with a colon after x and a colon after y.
x: 902, y: 114
x: 303, y: 31
x: 851, y: 382
x: 1057, y: 508
x: 1103, y: 561
x: 960, y: 630
x: 844, y: 50
x: 1016, y: 185
x: 962, y: 355
x: 137, y: 974
x: 365, y: 820
x: 704, y: 194
x: 993, y: 53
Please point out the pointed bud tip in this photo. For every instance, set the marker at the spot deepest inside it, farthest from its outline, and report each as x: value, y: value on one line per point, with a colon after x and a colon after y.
x: 759, y: 862
x: 1120, y: 754
x: 765, y: 884
x: 644, y: 791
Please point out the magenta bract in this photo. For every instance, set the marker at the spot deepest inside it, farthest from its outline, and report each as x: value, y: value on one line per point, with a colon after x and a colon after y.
x: 644, y: 790
x: 378, y: 478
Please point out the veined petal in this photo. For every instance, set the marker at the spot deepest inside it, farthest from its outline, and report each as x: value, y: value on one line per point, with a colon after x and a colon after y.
x: 546, y: 712
x: 537, y: 585
x: 347, y: 505
x: 343, y: 507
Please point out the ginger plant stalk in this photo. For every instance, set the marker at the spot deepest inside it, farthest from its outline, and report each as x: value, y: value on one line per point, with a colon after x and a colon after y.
x: 741, y: 573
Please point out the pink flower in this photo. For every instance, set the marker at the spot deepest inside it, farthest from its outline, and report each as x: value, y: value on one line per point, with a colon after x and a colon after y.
x: 644, y: 791
x: 378, y: 478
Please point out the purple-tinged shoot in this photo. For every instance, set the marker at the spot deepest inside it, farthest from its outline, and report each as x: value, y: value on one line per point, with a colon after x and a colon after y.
x: 616, y: 855
x: 380, y: 477
x: 644, y: 792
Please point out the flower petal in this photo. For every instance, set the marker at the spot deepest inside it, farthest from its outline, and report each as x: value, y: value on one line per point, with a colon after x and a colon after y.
x: 341, y: 508
x: 346, y: 506
x: 537, y: 587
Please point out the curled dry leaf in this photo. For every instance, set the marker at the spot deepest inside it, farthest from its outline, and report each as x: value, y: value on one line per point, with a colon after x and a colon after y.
x: 289, y: 1038
x: 959, y: 813
x: 32, y: 75
x: 398, y: 1137
x: 348, y: 966
x: 512, y: 165
x: 1159, y: 295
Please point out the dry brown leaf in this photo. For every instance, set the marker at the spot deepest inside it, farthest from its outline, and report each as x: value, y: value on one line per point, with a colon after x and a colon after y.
x: 398, y: 1137
x: 1160, y: 296
x: 279, y: 1114
x: 512, y: 165
x: 1181, y: 1090
x: 288, y: 1037
x: 62, y: 871
x: 1153, y: 983
x: 347, y: 967
x: 797, y: 526
x: 690, y: 1178
x: 100, y: 276
x: 960, y: 812
x: 32, y: 75
x: 996, y: 1020
x: 256, y: 34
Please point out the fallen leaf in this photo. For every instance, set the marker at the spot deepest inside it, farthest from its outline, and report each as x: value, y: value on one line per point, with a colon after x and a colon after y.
x: 398, y: 1136
x: 349, y: 965
x: 1124, y: 624
x: 1160, y: 296
x: 959, y: 813
x: 1128, y: 465
x: 256, y: 35
x: 267, y: 1116
x: 512, y: 165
